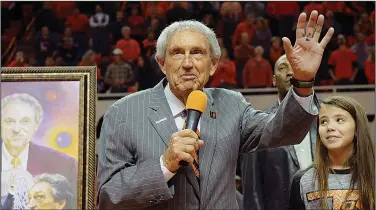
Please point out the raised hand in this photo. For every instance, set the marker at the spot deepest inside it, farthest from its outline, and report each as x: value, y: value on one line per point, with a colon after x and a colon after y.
x: 305, y: 57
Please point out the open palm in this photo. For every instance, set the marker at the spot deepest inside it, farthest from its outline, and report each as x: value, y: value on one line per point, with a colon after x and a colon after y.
x: 305, y: 57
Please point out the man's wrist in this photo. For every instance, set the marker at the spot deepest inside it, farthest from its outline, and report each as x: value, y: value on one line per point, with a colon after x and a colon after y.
x: 303, y: 92
x: 165, y: 165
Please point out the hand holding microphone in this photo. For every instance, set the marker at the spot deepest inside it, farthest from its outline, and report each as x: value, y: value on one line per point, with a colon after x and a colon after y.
x: 185, y: 143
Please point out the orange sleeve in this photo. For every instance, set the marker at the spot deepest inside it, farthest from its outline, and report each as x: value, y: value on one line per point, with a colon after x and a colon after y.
x: 230, y: 69
x: 369, y: 70
x: 118, y: 44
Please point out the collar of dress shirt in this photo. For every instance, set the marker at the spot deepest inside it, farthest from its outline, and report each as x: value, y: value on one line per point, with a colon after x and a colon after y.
x: 175, y: 104
x: 23, y: 156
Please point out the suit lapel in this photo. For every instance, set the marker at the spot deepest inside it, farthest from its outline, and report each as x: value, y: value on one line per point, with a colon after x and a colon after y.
x: 208, y: 134
x: 292, y: 152
x: 290, y: 148
x: 160, y: 116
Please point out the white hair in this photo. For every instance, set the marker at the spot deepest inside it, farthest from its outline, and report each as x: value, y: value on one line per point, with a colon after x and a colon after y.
x: 60, y: 187
x: 170, y: 30
x: 25, y: 98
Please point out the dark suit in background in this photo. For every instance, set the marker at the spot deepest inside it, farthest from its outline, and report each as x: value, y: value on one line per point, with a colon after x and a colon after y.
x: 267, y: 174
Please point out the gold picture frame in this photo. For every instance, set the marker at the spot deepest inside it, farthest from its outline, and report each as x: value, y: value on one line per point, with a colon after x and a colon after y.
x: 55, y: 83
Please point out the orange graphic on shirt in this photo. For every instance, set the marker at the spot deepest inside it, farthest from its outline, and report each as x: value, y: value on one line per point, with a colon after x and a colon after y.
x: 351, y: 203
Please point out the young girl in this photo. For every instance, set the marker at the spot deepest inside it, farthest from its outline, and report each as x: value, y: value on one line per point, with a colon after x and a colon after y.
x: 343, y: 173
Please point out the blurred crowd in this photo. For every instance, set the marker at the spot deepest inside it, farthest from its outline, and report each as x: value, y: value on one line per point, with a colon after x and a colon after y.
x: 120, y: 39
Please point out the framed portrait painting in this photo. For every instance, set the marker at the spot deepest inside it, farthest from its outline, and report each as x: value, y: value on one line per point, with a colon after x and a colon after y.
x: 48, y: 137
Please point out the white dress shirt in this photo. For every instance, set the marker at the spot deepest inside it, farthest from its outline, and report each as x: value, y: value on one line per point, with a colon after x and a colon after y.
x: 177, y: 107
x: 303, y: 151
x: 6, y: 160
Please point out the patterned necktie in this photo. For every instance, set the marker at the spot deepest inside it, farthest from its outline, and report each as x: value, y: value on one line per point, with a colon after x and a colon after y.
x: 15, y: 162
x: 194, y: 165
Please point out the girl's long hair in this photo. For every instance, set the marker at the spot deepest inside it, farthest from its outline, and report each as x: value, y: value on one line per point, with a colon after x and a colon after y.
x: 362, y: 161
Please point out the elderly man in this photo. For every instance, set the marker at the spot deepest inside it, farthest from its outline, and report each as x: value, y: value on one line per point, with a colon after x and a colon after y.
x: 52, y: 191
x: 142, y: 141
x: 267, y: 174
x: 21, y: 115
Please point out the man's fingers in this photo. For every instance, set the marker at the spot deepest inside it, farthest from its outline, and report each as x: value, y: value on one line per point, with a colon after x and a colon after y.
x: 287, y: 46
x: 319, y: 24
x: 300, y: 32
x: 185, y: 156
x: 200, y: 143
x: 189, y: 148
x: 188, y: 133
x: 311, y: 24
x: 327, y: 37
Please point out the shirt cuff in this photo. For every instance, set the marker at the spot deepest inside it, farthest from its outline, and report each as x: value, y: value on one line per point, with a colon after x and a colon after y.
x: 166, y: 173
x: 307, y: 103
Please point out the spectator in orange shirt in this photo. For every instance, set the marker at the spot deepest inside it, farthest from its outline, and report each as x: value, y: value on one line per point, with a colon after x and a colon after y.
x: 19, y: 61
x: 276, y: 50
x: 343, y: 63
x: 79, y: 23
x: 369, y: 67
x: 149, y: 43
x: 246, y: 26
x: 225, y: 74
x: 130, y: 47
x: 257, y: 71
x: 242, y: 53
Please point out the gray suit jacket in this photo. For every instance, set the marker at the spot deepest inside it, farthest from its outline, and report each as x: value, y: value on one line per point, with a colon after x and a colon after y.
x: 267, y: 174
x: 134, y: 136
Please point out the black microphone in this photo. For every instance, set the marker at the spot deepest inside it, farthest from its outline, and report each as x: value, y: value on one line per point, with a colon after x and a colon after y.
x: 196, y: 105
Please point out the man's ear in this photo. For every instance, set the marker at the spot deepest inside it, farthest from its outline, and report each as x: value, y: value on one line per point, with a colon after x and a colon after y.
x: 214, y: 66
x: 274, y: 81
x: 161, y: 64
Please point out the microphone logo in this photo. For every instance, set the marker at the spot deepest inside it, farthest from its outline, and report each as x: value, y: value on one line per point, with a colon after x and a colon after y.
x: 213, y: 115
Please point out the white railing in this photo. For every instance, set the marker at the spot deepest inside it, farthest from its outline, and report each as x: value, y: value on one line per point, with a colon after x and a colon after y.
x: 331, y: 88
